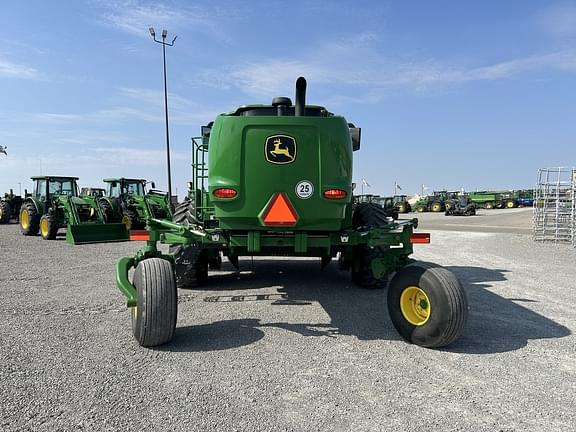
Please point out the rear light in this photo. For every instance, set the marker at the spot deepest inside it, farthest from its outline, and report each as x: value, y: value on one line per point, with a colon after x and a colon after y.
x: 224, y: 193
x: 420, y: 238
x: 335, y: 194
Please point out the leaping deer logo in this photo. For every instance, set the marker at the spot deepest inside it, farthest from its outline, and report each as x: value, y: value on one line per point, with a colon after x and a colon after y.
x: 281, y: 151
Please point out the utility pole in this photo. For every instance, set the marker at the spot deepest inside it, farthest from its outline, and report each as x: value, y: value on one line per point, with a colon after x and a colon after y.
x: 164, y: 44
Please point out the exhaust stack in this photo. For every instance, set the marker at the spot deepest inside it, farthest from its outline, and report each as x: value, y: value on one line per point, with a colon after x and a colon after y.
x: 300, y: 107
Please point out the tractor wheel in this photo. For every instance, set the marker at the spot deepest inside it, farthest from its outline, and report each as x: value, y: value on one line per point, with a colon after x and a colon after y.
x: 510, y: 204
x: 367, y: 215
x: 106, y: 211
x: 130, y: 219
x: 215, y: 263
x: 191, y: 261
x: 402, y: 208
x: 4, y: 212
x: 420, y: 209
x: 448, y: 205
x: 154, y: 317
x: 427, y: 305
x: 48, y: 227
x: 436, y: 207
x: 29, y: 219
x: 489, y: 205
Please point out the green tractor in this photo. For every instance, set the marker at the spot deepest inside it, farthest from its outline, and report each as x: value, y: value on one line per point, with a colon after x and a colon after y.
x: 387, y: 203
x: 9, y: 207
x: 401, y: 203
x: 278, y: 182
x: 92, y: 192
x: 55, y: 204
x: 127, y: 201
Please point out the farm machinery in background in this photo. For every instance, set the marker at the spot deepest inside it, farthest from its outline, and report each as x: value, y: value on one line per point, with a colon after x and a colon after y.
x: 127, y: 201
x: 9, y: 207
x: 502, y: 199
x: 460, y: 206
x: 434, y: 203
x: 276, y: 180
x: 92, y: 192
x: 55, y: 203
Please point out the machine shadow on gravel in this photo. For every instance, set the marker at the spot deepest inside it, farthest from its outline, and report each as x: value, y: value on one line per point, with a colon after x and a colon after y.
x: 496, y: 324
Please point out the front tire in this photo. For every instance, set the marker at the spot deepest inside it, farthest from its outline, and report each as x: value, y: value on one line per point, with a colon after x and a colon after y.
x: 48, y: 227
x: 130, y: 220
x: 427, y: 305
x: 154, y: 318
x: 436, y: 207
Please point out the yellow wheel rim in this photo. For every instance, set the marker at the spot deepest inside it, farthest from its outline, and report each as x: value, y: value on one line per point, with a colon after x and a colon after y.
x: 510, y: 204
x: 436, y: 208
x: 24, y: 219
x: 126, y: 222
x: 1, y: 212
x: 415, y: 306
x: 44, y: 227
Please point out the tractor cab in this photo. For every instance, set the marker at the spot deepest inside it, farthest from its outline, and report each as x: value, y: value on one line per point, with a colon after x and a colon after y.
x: 117, y: 187
x: 47, y: 187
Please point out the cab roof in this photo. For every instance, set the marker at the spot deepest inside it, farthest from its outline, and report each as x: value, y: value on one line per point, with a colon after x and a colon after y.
x: 53, y: 178
x: 116, y: 179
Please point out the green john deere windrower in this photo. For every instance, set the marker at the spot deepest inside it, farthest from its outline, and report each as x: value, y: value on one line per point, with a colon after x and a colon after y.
x: 54, y: 204
x: 278, y: 182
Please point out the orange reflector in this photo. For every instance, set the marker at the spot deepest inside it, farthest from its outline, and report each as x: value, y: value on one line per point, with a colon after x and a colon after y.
x: 280, y: 212
x: 420, y: 238
x: 139, y: 235
x: 224, y: 193
x: 335, y: 194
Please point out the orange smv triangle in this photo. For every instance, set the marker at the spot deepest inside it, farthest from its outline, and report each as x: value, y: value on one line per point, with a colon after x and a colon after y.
x: 280, y: 212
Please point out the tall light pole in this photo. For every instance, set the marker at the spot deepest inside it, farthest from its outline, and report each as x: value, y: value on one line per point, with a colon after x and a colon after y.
x: 164, y: 43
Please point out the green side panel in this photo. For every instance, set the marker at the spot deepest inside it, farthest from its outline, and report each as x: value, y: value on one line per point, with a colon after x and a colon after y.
x: 238, y: 159
x: 96, y: 233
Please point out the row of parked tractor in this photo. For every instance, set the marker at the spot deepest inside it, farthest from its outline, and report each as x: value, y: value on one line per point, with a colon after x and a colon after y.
x: 90, y: 214
x: 453, y: 203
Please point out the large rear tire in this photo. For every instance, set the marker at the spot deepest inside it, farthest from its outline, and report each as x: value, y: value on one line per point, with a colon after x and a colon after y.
x: 191, y: 261
x: 5, y: 211
x: 436, y: 207
x: 154, y: 318
x: 29, y: 219
x: 427, y: 305
x: 367, y: 215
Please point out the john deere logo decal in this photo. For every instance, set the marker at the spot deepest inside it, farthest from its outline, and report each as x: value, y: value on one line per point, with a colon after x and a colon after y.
x: 280, y: 149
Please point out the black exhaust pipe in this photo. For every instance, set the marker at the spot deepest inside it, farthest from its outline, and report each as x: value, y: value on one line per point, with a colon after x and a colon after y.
x: 300, y: 107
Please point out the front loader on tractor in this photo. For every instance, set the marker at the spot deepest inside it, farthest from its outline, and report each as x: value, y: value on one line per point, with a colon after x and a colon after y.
x: 54, y: 204
x: 276, y: 180
x: 127, y: 201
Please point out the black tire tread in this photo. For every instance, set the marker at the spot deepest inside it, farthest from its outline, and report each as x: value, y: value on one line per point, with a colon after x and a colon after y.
x: 157, y: 302
x: 6, y: 212
x: 191, y: 261
x: 366, y: 216
x: 34, y: 219
x: 457, y: 303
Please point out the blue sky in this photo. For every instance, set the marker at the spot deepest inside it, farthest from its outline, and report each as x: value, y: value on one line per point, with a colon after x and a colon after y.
x: 450, y: 94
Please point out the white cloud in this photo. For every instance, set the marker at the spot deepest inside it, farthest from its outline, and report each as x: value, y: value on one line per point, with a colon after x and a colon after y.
x: 341, y: 65
x: 10, y: 69
x: 135, y: 17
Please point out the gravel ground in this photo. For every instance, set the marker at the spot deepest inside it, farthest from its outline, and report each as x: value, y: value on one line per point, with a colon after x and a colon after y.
x: 286, y: 346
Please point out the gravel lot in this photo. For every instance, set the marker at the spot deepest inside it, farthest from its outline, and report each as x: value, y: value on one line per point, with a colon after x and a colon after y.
x: 290, y: 347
